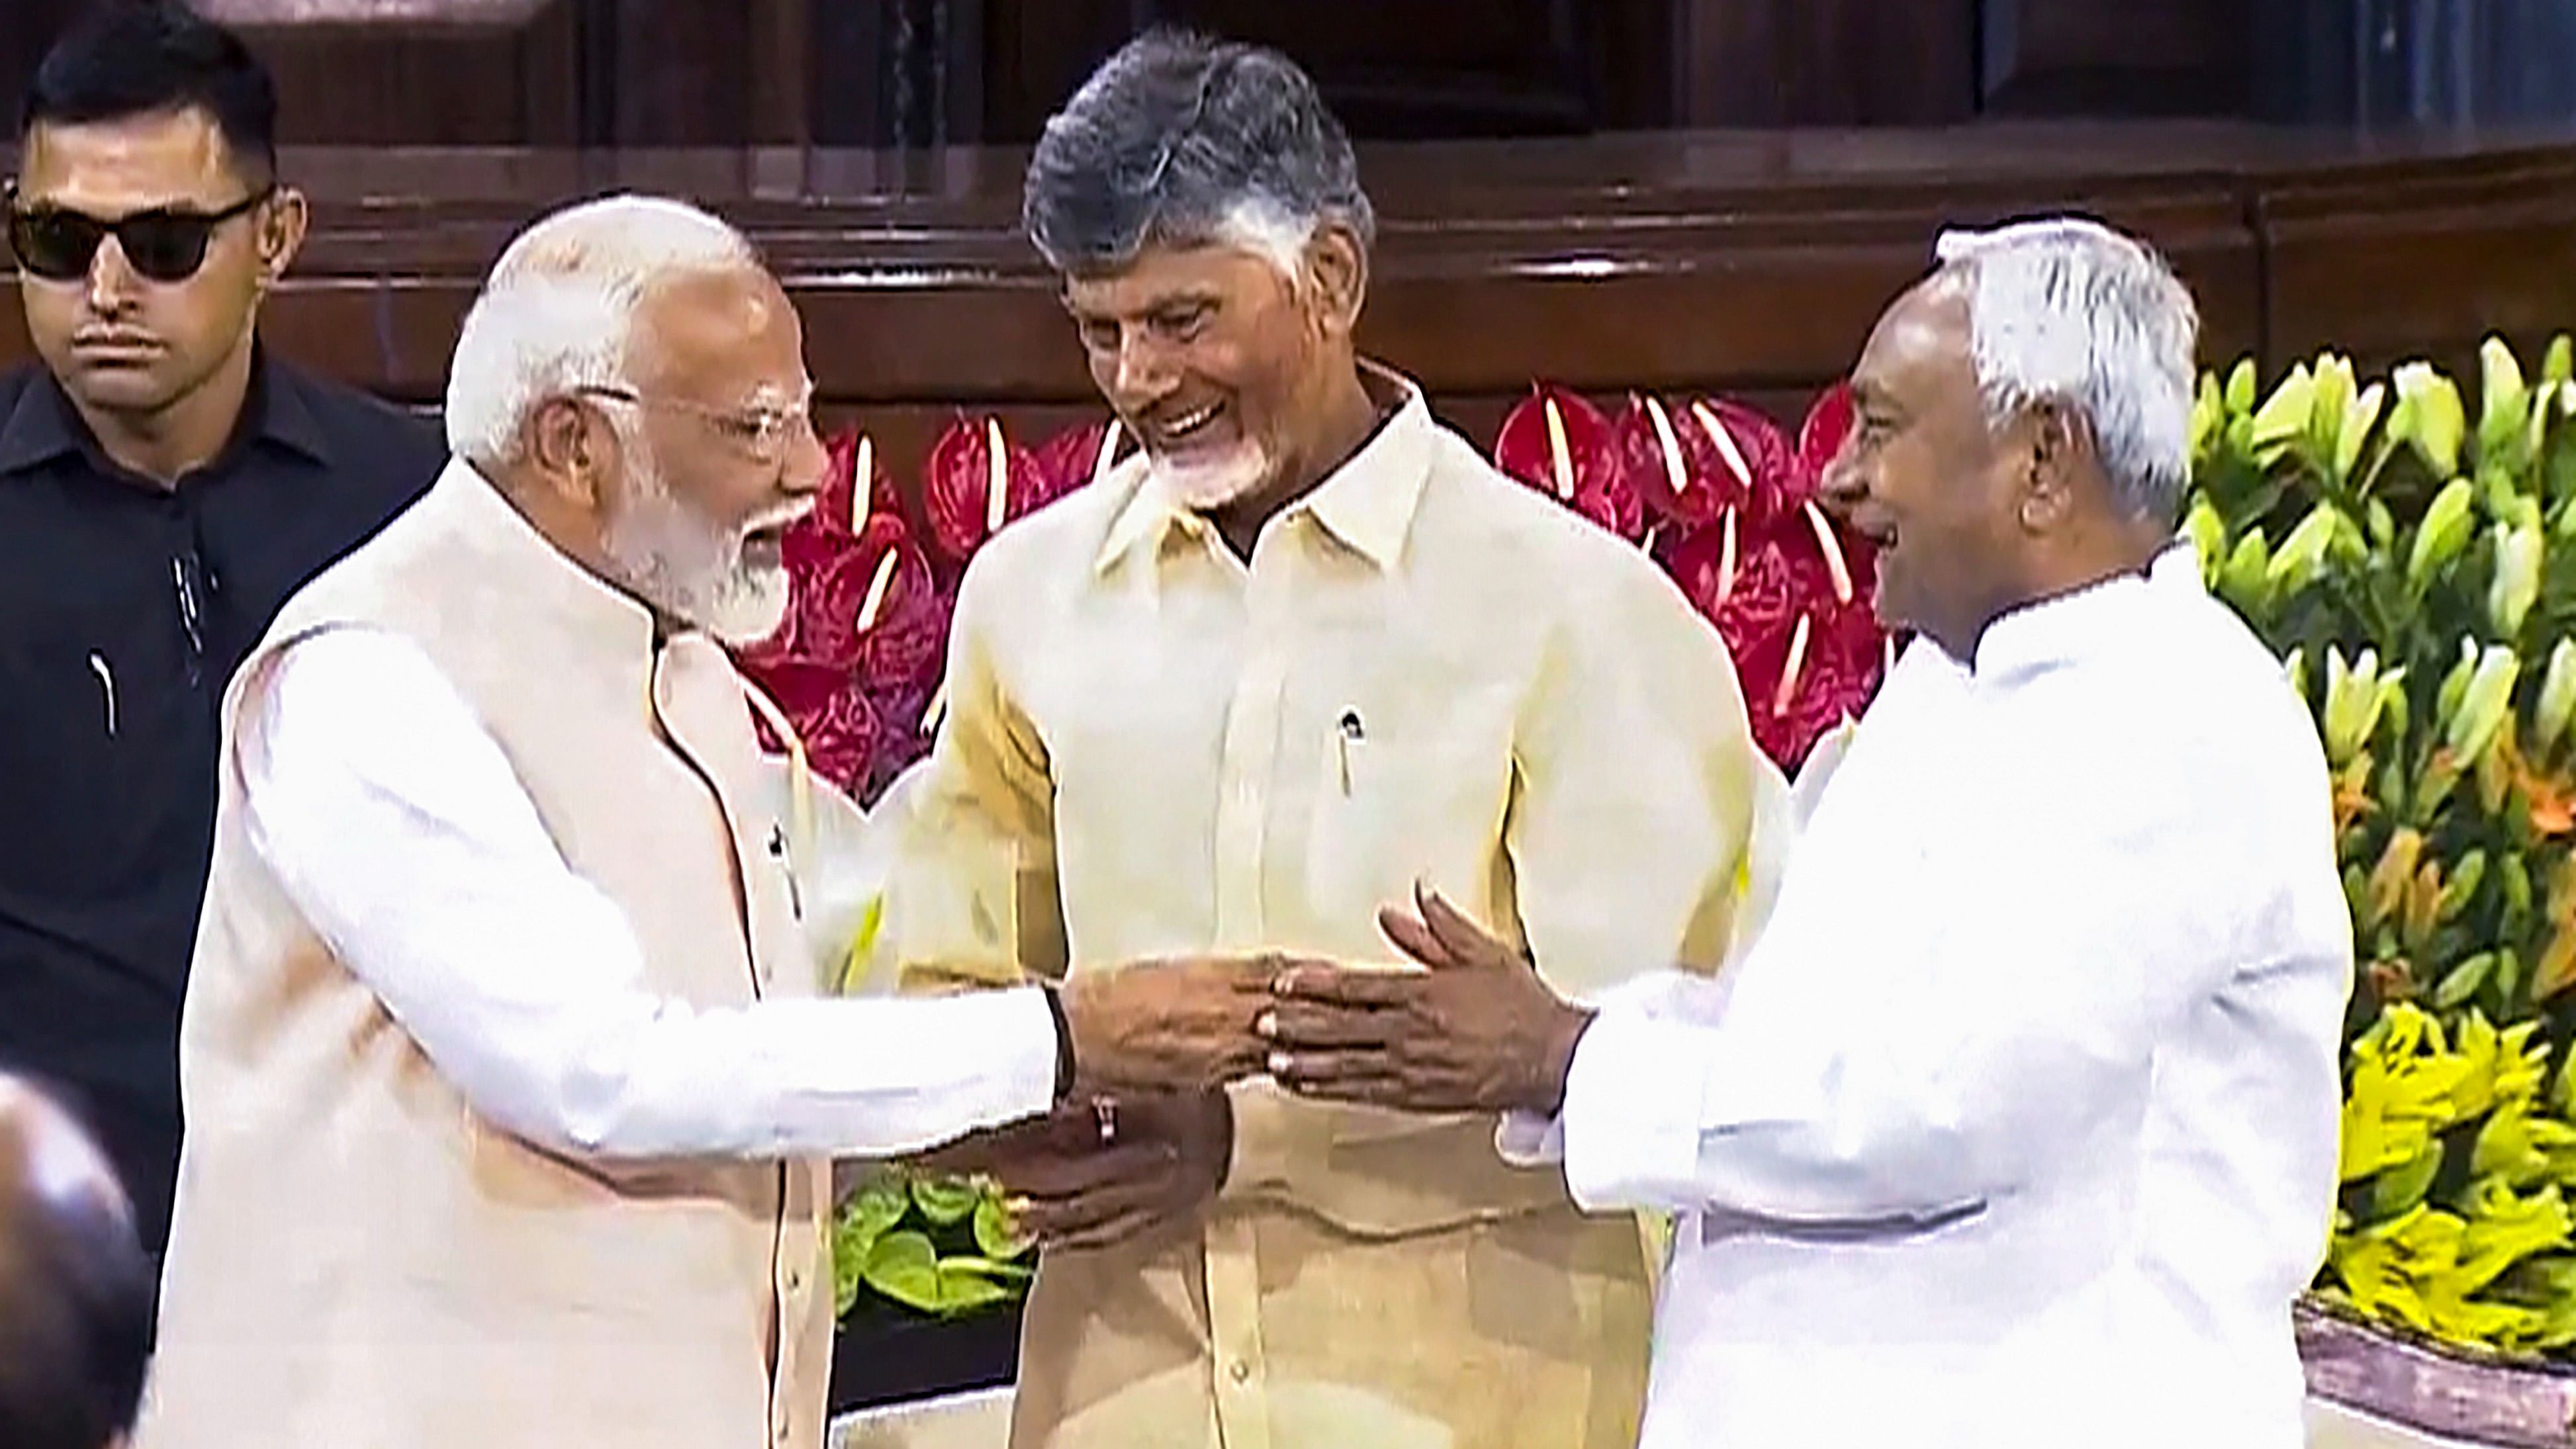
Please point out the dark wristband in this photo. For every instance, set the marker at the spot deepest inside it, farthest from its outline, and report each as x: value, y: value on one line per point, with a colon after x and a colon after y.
x: 1063, y: 1041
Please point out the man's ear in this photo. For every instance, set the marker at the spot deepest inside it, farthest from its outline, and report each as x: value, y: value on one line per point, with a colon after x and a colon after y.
x: 1337, y: 268
x: 567, y: 452
x: 282, y: 226
x: 2057, y: 447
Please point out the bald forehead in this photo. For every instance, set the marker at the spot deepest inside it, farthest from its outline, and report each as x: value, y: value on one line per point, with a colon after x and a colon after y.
x: 1920, y: 346
x: 734, y: 325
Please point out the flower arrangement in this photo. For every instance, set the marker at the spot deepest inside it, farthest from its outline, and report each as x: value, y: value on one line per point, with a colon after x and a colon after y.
x: 1717, y: 493
x: 2418, y: 574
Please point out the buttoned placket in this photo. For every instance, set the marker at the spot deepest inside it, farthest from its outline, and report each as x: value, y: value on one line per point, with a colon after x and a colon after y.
x: 674, y: 668
x: 1247, y: 764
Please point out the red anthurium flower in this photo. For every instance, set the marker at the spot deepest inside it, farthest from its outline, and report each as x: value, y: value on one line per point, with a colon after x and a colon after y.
x: 832, y: 715
x: 843, y: 738
x: 1682, y: 469
x: 843, y: 504
x: 1559, y: 444
x: 865, y: 609
x: 1828, y: 422
x: 976, y: 480
x: 904, y: 735
x: 800, y: 690
x: 1747, y: 458
x: 1078, y: 457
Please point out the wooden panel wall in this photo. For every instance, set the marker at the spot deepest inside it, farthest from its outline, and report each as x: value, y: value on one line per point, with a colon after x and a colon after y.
x: 1826, y: 62
x: 2081, y: 57
x: 875, y: 73
x: 1747, y: 264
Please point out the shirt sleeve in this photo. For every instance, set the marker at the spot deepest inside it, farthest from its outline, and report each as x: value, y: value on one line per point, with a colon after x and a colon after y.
x: 2100, y: 903
x: 1630, y: 829
x: 394, y: 822
x: 975, y: 900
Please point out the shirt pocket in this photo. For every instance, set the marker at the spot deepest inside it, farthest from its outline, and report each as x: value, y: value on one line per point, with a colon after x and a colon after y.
x: 1420, y: 799
x: 78, y: 751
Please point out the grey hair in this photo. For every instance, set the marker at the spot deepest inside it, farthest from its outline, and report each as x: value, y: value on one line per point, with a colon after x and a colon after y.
x: 557, y: 313
x: 1180, y: 140
x: 2071, y: 312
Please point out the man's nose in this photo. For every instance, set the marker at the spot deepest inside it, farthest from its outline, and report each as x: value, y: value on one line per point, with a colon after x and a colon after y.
x: 1143, y: 376
x: 808, y: 462
x: 111, y: 279
x: 1845, y: 482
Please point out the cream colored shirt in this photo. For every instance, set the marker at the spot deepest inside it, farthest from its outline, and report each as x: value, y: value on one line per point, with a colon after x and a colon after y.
x: 1156, y: 748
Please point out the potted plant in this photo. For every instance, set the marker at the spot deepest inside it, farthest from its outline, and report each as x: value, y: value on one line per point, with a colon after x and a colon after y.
x: 2418, y: 576
x: 928, y: 1274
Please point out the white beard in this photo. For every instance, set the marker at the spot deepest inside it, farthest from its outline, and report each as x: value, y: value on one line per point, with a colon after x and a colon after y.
x: 692, y: 570
x: 1203, y: 484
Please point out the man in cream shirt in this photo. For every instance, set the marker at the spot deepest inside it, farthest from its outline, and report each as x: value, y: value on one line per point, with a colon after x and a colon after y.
x: 1303, y: 648
x: 2017, y: 1124
x: 509, y: 1104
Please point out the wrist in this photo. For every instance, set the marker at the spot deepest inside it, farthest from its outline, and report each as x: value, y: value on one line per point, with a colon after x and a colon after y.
x: 1065, y: 1065
x: 1556, y: 1063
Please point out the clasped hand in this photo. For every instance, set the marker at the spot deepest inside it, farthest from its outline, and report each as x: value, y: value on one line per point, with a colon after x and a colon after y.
x: 1477, y: 1030
x: 1145, y: 1137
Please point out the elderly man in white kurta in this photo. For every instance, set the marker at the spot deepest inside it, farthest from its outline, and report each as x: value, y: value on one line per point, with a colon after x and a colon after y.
x: 509, y: 1104
x: 2017, y: 1125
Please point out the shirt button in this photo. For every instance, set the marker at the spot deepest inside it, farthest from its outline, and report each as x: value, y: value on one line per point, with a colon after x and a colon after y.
x: 795, y: 1280
x: 1242, y: 1371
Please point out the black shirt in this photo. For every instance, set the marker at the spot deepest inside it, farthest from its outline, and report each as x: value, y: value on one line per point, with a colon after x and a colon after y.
x: 124, y: 610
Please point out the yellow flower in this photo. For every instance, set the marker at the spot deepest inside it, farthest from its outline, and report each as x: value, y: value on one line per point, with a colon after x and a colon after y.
x: 2404, y: 1079
x: 2385, y: 1266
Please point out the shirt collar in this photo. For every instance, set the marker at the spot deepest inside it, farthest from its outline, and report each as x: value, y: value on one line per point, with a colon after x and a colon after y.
x: 2057, y: 631
x: 1368, y: 503
x: 44, y: 425
x: 593, y: 603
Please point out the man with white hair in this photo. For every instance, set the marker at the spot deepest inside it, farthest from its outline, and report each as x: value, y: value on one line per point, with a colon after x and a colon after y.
x: 510, y: 1102
x: 2017, y: 1124
x: 1303, y: 649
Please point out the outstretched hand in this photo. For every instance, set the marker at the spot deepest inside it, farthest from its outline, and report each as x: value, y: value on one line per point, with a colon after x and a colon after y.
x: 1475, y: 1031
x: 1168, y: 1026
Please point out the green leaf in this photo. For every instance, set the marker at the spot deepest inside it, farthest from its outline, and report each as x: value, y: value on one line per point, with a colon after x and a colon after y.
x: 879, y: 1204
x: 2435, y: 421
x: 2240, y: 387
x: 905, y: 1267
x: 2463, y: 980
x: 995, y: 1234
x: 2403, y: 1187
x: 988, y: 1268
x: 2283, y: 421
x: 945, y: 1200
x: 962, y: 1293
x: 2503, y: 398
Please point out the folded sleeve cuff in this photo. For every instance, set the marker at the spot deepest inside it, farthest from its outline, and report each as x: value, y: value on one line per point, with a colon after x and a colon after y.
x: 1630, y: 1129
x: 1526, y: 1139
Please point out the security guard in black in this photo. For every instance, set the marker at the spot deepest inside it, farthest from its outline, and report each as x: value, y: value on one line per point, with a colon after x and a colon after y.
x: 165, y: 484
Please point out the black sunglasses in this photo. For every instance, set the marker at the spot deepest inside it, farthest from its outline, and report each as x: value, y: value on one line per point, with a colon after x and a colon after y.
x: 166, y: 244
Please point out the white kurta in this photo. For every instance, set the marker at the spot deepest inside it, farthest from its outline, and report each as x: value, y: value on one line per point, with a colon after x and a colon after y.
x: 2017, y: 1125
x: 396, y: 825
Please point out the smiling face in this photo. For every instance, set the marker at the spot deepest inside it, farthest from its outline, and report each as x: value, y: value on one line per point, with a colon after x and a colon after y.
x: 718, y: 451
x: 1223, y: 365
x: 122, y: 343
x: 1925, y: 477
